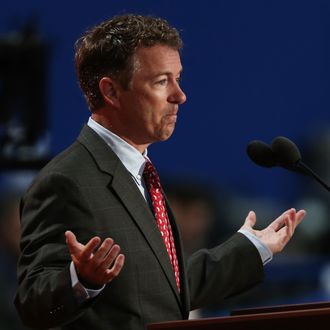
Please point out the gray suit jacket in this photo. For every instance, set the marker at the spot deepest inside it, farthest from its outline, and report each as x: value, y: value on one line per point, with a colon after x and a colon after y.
x: 86, y: 189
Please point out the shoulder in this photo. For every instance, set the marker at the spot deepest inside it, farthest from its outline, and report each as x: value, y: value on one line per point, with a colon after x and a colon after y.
x: 68, y: 161
x: 67, y: 169
x: 80, y: 154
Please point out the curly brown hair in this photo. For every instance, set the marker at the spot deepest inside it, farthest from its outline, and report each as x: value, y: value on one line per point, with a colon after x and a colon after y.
x: 108, y: 50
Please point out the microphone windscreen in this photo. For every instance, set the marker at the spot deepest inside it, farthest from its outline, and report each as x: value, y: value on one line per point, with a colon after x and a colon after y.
x: 261, y: 153
x: 285, y: 151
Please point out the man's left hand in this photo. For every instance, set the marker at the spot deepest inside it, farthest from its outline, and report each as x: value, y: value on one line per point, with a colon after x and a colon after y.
x: 279, y: 232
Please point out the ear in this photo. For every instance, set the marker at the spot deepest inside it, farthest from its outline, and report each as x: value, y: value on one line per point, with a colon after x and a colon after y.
x: 109, y: 91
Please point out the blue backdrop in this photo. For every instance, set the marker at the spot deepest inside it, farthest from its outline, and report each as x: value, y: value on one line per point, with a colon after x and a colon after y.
x: 252, y: 70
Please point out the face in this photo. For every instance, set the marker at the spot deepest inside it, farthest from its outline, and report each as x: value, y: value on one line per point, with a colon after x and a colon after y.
x: 148, y: 109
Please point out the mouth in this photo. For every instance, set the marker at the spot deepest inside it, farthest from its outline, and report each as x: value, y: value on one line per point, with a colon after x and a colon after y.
x: 171, y: 118
x: 173, y: 110
x: 173, y: 113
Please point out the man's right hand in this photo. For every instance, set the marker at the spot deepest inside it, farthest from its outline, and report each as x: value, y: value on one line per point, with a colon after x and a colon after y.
x: 96, y: 264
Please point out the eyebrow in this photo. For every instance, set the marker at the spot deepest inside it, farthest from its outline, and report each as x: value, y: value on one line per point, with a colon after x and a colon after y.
x: 168, y: 73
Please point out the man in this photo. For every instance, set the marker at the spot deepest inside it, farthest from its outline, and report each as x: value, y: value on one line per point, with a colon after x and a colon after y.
x: 95, y: 251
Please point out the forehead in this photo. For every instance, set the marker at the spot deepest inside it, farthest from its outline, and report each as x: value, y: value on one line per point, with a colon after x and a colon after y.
x: 157, y: 59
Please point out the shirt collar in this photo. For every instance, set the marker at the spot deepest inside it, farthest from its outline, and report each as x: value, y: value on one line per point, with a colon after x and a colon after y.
x: 131, y: 158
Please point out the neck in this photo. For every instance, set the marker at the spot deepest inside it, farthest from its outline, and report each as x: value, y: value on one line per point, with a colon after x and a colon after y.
x: 108, y: 124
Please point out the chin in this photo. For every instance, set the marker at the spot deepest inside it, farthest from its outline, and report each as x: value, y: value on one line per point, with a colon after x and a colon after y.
x: 166, y: 136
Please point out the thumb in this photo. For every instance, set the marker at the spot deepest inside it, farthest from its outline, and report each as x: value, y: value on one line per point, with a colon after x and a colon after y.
x: 72, y: 243
x: 250, y: 220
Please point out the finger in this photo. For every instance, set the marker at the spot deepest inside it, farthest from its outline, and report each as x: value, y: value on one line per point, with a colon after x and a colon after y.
x: 289, y: 225
x: 287, y: 230
x: 70, y: 237
x: 296, y: 219
x: 116, y: 268
x: 279, y: 222
x: 111, y: 257
x: 103, y: 250
x: 71, y: 241
x: 250, y: 220
x: 300, y: 216
x: 89, y: 248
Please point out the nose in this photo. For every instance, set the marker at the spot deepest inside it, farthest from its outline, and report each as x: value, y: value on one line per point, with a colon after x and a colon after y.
x: 177, y: 96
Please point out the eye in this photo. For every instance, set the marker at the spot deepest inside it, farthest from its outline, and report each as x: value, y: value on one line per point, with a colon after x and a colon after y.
x: 162, y: 82
x: 178, y: 80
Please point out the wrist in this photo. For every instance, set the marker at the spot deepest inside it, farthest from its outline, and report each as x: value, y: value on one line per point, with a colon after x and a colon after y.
x: 88, y: 285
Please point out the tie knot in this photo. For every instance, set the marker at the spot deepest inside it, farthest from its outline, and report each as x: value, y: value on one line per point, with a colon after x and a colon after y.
x: 150, y: 176
x: 148, y: 167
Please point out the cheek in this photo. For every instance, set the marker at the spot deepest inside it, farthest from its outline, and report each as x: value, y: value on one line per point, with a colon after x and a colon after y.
x: 155, y: 114
x: 151, y: 110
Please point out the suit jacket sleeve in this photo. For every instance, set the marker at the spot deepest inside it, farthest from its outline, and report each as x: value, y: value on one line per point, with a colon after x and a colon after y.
x: 45, y: 297
x: 223, y: 271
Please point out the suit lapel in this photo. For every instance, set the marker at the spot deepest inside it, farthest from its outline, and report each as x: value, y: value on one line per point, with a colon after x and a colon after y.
x: 126, y: 189
x: 180, y: 254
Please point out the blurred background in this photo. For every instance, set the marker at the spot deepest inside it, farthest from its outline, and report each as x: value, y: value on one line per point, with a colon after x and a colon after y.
x: 252, y: 70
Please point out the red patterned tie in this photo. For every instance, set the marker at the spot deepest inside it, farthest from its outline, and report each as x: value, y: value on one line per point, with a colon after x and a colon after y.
x: 153, y: 184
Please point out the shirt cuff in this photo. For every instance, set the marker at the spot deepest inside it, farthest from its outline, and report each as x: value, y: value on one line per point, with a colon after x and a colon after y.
x: 81, y: 293
x: 265, y: 253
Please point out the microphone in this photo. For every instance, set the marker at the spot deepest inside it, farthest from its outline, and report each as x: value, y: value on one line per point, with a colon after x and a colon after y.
x: 261, y: 153
x: 287, y: 155
x: 283, y: 153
